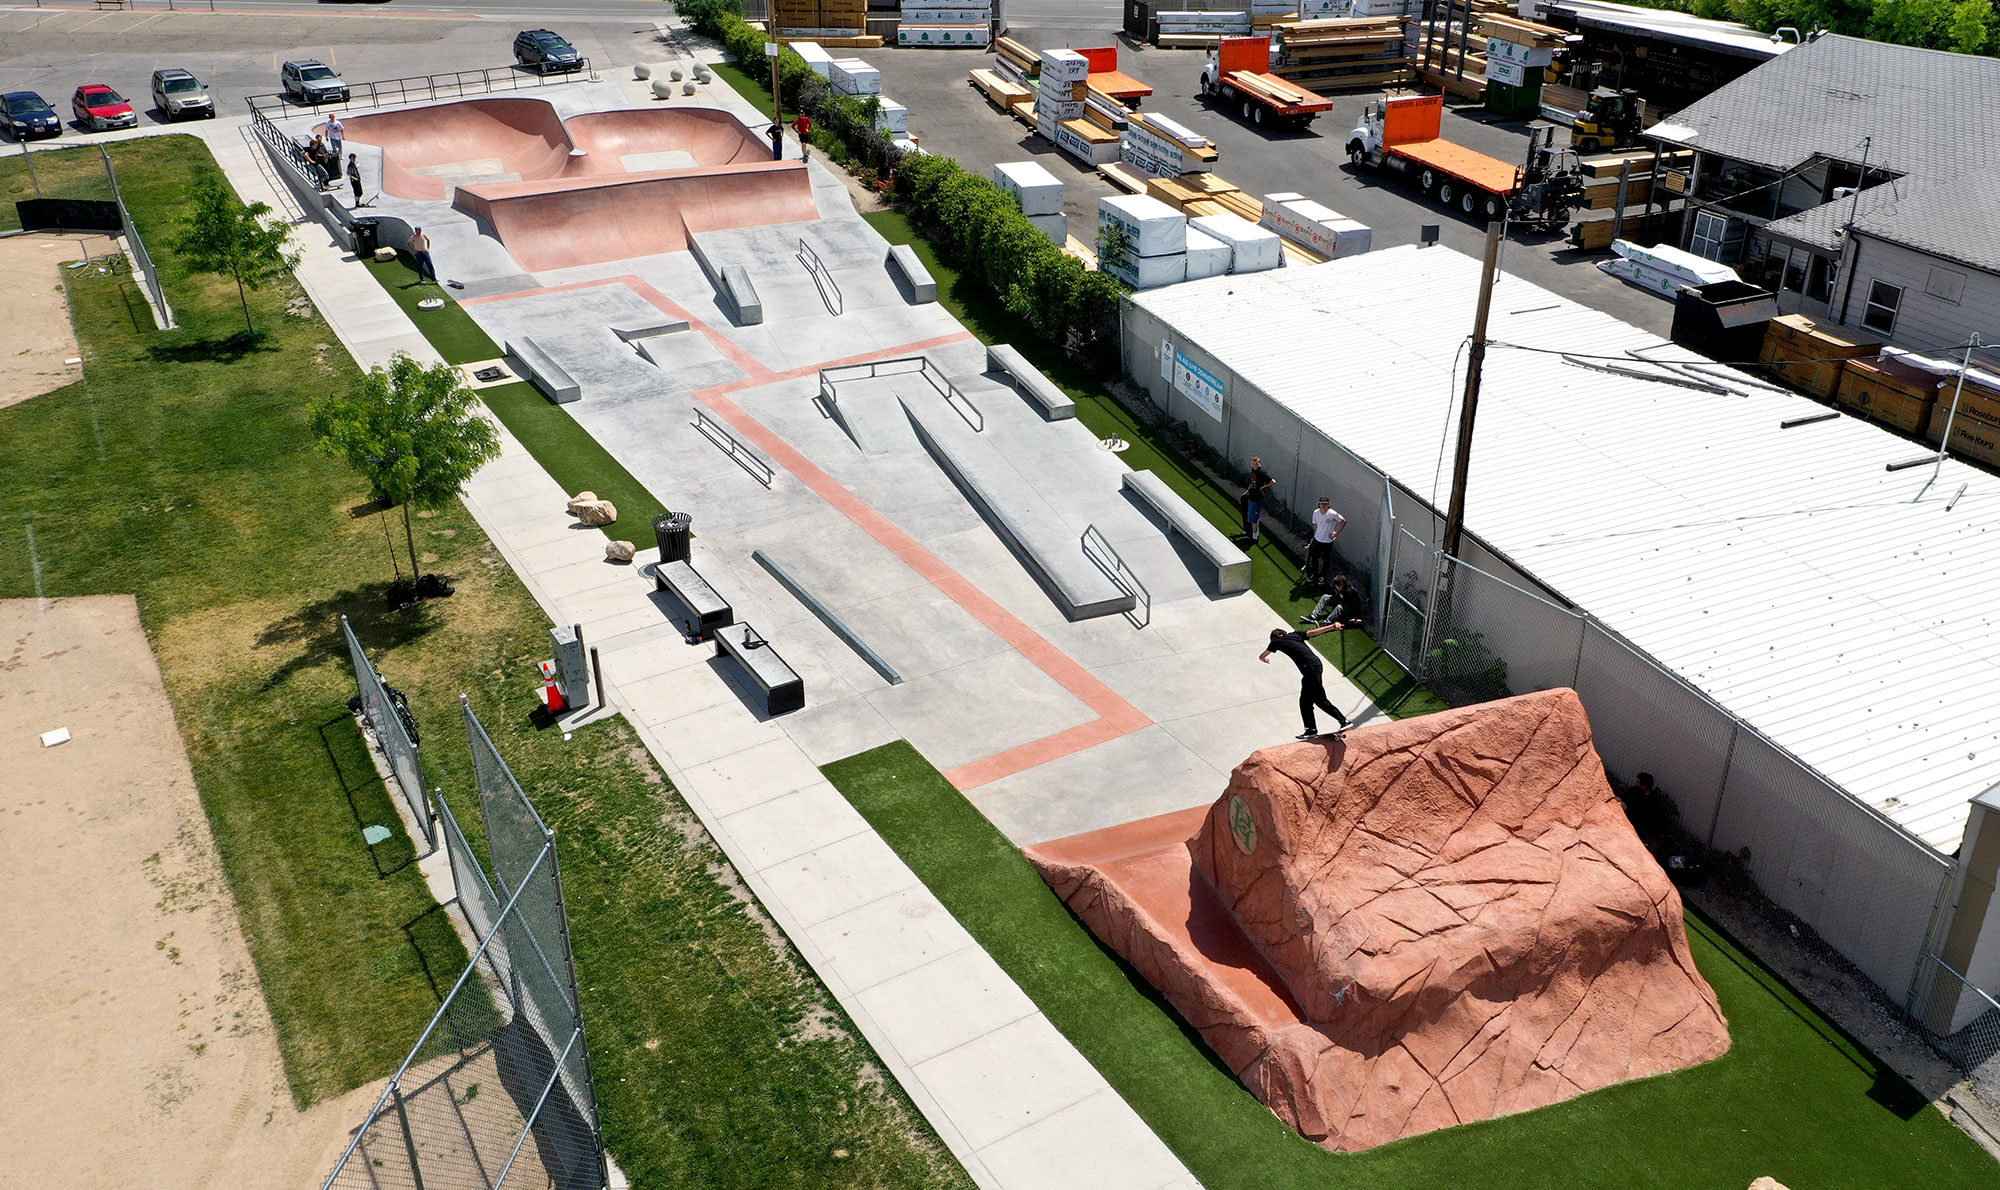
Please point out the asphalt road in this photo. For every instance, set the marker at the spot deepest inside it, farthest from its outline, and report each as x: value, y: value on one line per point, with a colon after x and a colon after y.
x: 950, y: 116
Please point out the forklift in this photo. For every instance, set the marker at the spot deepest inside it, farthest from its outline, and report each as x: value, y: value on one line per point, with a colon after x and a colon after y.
x: 1549, y: 184
x: 1610, y: 120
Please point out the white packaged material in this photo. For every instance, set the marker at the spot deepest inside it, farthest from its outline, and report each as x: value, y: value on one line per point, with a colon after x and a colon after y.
x: 1152, y: 228
x: 931, y: 14
x: 1149, y: 272
x: 1064, y: 66
x: 892, y: 117
x: 1206, y: 255
x: 1055, y: 226
x: 1166, y: 127
x: 1663, y: 269
x: 954, y: 37
x: 1078, y: 146
x: 1252, y: 248
x: 815, y: 57
x: 852, y: 76
x: 1322, y: 229
x: 951, y: 4
x: 1059, y: 109
x: 1038, y: 191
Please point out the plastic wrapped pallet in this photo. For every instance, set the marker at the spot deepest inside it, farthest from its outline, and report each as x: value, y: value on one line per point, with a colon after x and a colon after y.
x: 955, y: 37
x: 1152, y: 228
x: 1148, y: 272
x: 1206, y: 255
x: 1252, y: 249
x: 1059, y: 109
x: 1063, y: 67
x: 852, y: 76
x: 1038, y: 191
x: 892, y: 117
x: 1320, y: 228
x: 1055, y: 226
x: 931, y: 14
x: 815, y: 57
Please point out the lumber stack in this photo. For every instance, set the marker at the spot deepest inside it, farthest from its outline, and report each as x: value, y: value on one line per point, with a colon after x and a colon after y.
x: 1470, y: 87
x: 824, y: 21
x: 1015, y: 62
x: 1005, y: 94
x: 1346, y: 52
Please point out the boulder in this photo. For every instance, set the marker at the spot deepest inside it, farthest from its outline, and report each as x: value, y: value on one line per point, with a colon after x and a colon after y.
x: 385, y: 253
x: 597, y: 512
x: 1439, y: 920
x: 577, y: 502
x: 1767, y: 1184
x: 619, y: 551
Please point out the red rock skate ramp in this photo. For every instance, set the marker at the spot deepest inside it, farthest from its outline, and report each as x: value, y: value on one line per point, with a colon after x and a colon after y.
x: 574, y: 221
x: 1442, y: 920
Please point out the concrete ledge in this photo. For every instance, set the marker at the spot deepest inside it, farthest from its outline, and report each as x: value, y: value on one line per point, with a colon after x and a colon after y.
x: 548, y: 375
x: 646, y: 328
x: 903, y: 259
x: 1030, y: 382
x: 783, y: 689
x: 742, y: 295
x: 1232, y: 565
x: 1052, y: 551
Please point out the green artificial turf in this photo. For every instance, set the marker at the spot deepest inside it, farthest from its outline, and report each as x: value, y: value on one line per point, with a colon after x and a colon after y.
x: 449, y: 328
x: 1793, y: 1099
x: 1276, y: 575
x: 576, y: 460
x: 181, y: 470
x: 754, y: 87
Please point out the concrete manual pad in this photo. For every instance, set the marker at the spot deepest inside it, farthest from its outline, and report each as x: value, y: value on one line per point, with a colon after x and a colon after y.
x: 1137, y: 775
x: 975, y: 710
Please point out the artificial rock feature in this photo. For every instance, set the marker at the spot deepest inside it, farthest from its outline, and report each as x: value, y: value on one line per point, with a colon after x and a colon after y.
x: 619, y: 551
x: 1441, y: 920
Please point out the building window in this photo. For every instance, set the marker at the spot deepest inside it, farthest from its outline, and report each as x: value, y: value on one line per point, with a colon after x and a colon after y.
x: 1819, y: 279
x: 1883, y: 301
x: 1716, y: 237
x: 1795, y: 271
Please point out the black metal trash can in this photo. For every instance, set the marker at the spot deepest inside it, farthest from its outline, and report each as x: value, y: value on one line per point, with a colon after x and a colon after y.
x: 367, y: 238
x: 674, y: 532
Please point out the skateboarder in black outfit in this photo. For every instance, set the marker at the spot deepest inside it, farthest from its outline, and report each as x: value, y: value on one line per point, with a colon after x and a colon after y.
x: 1312, y: 691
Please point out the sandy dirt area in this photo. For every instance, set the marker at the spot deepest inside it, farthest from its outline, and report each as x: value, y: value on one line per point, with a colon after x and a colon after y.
x: 39, y: 336
x: 137, y: 1036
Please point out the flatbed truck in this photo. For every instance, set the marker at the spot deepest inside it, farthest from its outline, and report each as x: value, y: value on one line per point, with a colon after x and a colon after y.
x: 1402, y: 135
x: 1235, y: 77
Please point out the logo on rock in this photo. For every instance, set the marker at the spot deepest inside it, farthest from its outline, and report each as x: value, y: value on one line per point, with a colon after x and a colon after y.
x: 1242, y: 825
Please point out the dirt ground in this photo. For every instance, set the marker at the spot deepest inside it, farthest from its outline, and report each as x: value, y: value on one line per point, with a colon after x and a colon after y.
x: 134, y: 1024
x: 39, y: 336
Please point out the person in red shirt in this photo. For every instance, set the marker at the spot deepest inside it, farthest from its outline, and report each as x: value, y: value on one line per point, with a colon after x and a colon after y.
x: 803, y: 126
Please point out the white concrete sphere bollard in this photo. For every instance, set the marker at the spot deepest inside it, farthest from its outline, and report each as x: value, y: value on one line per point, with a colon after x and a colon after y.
x: 663, y: 89
x: 687, y: 88
x: 676, y: 75
x: 642, y: 71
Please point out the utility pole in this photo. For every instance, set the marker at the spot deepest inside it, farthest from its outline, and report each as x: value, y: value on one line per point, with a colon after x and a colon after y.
x: 777, y: 103
x: 1454, y: 521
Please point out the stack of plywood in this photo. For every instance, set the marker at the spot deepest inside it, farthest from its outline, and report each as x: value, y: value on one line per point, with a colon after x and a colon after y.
x: 1012, y: 60
x: 1807, y: 355
x: 1353, y: 52
x: 945, y: 24
x: 1010, y: 96
x: 1607, y: 177
x: 1975, y: 424
x: 1184, y: 192
x: 839, y: 23
x: 1885, y: 390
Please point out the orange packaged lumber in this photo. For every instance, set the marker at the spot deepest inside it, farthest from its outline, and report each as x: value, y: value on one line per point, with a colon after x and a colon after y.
x: 1971, y: 437
x: 1119, y: 85
x: 1892, y: 393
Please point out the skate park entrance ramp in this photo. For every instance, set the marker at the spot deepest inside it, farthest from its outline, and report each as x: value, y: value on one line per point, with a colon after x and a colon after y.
x: 591, y: 188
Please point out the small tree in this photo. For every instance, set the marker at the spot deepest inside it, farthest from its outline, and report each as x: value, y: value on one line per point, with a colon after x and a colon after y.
x: 415, y: 432
x: 232, y: 239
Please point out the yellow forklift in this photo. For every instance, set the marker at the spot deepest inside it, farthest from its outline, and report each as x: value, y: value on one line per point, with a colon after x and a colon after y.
x: 1610, y: 120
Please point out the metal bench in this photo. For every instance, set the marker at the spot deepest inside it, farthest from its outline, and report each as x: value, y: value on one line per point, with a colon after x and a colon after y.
x: 780, y: 684
x: 903, y: 259
x: 1232, y: 565
x: 711, y: 611
x: 1029, y: 381
x: 548, y: 375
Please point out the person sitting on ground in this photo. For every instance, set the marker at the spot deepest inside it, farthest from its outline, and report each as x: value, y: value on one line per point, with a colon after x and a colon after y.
x: 1646, y: 807
x: 1348, y: 602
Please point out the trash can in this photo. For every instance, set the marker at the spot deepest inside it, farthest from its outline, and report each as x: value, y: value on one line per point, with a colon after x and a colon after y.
x: 673, y: 532
x: 367, y: 238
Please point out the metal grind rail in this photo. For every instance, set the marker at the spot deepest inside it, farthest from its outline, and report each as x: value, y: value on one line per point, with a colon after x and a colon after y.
x: 1107, y: 558
x: 732, y: 446
x: 829, y: 290
x: 423, y: 88
x: 900, y: 366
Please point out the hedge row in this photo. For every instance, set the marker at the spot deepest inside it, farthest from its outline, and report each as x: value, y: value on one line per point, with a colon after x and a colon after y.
x: 972, y: 222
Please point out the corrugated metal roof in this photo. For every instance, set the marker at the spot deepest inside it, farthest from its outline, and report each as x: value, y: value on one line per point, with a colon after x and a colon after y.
x: 1783, y: 572
x: 1668, y: 25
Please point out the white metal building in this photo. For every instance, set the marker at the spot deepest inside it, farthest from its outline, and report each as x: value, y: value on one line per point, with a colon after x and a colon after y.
x: 1844, y: 613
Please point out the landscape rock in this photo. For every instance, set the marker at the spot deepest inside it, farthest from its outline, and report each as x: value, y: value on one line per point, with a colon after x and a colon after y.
x: 385, y: 253
x: 619, y: 551
x: 597, y: 512
x: 577, y: 502
x: 1440, y: 920
x: 1767, y: 1184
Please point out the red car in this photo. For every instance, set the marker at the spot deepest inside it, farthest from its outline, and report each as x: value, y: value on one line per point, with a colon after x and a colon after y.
x: 98, y: 107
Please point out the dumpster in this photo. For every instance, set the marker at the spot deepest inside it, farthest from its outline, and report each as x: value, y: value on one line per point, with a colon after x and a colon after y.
x: 367, y: 238
x: 674, y: 532
x: 1724, y: 320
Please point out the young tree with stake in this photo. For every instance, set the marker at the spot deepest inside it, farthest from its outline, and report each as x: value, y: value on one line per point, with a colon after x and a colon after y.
x: 415, y: 432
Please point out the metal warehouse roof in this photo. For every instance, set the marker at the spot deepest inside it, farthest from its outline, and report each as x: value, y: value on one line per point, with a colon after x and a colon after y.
x: 1783, y: 572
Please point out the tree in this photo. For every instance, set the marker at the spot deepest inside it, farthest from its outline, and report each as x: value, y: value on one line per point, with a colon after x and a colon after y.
x: 1972, y: 26
x: 231, y: 239
x: 416, y: 433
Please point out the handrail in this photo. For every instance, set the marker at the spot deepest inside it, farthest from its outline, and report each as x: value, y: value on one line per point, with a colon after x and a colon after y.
x: 822, y: 280
x: 746, y: 458
x: 419, y: 87
x: 1120, y: 574
x: 953, y: 395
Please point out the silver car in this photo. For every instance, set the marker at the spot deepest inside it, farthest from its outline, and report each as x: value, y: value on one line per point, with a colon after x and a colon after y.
x: 179, y: 94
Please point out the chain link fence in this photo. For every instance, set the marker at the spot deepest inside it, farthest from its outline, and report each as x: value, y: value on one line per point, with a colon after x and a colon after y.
x: 497, y: 1091
x: 75, y: 190
x: 1961, y: 1023
x: 387, y: 714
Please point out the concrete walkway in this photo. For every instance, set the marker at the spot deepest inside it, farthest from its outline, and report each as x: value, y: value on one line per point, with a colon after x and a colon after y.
x: 1015, y: 1102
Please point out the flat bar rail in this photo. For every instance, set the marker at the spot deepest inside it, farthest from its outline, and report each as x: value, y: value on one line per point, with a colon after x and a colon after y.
x: 953, y: 395
x: 422, y: 88
x: 829, y: 290
x: 732, y: 446
x: 1112, y: 563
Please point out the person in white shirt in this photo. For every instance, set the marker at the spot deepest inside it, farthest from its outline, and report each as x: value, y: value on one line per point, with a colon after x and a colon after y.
x: 1327, y: 525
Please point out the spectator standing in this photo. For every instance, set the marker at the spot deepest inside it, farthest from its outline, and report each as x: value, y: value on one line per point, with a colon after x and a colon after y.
x: 420, y: 249
x: 335, y: 133
x: 1253, y: 497
x: 803, y: 126
x: 354, y: 177
x: 1327, y: 525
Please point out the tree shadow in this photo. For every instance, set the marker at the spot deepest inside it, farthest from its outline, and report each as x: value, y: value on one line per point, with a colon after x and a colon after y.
x: 313, y: 631
x: 221, y: 349
x: 392, y: 854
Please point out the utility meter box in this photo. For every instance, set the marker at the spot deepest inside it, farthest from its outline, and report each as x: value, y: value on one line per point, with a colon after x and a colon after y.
x: 572, y: 668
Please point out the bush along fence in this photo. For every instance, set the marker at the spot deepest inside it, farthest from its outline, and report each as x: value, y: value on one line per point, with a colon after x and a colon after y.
x: 972, y: 222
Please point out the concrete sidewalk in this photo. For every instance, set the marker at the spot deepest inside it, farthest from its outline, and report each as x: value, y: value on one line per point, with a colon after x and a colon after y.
x: 1015, y: 1102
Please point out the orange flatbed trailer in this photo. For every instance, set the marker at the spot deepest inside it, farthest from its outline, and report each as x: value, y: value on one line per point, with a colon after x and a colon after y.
x: 1487, y: 173
x: 1119, y: 85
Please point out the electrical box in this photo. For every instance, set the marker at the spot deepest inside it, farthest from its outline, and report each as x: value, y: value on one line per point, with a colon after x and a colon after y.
x: 572, y: 668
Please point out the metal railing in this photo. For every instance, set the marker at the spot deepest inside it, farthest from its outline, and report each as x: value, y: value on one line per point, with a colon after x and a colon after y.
x: 424, y: 88
x: 829, y: 291
x: 903, y: 366
x: 1107, y: 558
x: 734, y: 447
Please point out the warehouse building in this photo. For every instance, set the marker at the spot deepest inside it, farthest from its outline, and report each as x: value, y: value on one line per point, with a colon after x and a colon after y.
x: 1800, y: 644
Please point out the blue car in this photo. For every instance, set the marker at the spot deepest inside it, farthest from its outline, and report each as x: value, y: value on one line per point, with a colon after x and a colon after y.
x: 26, y: 115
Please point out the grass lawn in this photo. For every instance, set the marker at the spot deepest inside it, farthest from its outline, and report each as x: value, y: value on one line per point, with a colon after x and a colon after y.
x: 1276, y: 577
x: 754, y: 87
x: 65, y: 173
x: 563, y: 448
x: 1793, y: 1099
x: 181, y: 470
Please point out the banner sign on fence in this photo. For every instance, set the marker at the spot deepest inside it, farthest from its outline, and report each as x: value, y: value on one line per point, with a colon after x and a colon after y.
x: 1191, y: 380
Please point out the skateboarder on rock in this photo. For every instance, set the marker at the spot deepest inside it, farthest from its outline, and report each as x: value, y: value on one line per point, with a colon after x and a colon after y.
x: 1312, y: 690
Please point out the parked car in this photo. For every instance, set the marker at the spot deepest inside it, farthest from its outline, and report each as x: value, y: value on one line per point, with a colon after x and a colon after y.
x: 26, y: 115
x: 309, y: 80
x: 177, y: 93
x: 541, y: 50
x: 98, y: 107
